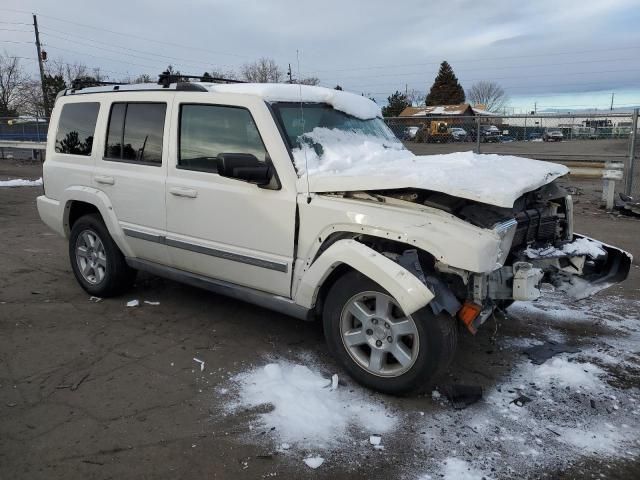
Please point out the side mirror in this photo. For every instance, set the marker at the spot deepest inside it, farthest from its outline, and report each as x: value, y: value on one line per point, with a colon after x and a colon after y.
x: 245, y: 167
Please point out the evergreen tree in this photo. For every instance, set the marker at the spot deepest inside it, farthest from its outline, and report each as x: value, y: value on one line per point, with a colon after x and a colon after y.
x: 396, y: 104
x: 53, y: 84
x: 338, y: 87
x: 206, y: 77
x: 446, y: 89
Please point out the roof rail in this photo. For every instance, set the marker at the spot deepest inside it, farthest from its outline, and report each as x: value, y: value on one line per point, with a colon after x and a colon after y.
x: 166, y: 78
x: 84, y: 82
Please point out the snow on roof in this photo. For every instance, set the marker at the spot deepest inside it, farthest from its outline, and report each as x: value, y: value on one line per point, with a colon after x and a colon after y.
x: 460, y: 109
x: 350, y: 103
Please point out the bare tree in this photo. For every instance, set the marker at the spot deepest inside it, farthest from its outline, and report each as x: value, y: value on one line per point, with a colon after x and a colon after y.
x: 308, y: 81
x: 219, y: 73
x: 415, y: 97
x: 12, y: 84
x: 263, y: 70
x: 488, y: 94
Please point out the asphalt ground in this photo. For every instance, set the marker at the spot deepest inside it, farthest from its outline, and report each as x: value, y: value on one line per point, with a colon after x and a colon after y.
x: 99, y: 390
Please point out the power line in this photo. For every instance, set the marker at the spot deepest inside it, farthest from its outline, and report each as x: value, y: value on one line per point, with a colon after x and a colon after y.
x: 477, y: 59
x: 149, y: 56
x: 506, y: 67
x: 515, y: 77
x: 104, y: 58
x: 13, y: 41
x: 172, y: 44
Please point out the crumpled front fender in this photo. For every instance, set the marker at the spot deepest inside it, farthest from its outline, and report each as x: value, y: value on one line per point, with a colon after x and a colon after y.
x: 410, y: 293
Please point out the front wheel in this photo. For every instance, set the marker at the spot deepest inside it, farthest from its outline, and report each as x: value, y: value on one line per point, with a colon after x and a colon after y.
x: 380, y: 346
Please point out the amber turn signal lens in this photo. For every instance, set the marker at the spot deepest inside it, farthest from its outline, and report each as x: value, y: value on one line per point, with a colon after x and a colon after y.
x: 468, y: 313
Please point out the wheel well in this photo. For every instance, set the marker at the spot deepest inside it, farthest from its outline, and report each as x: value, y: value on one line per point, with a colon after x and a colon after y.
x: 378, y: 244
x: 326, y: 286
x: 77, y: 209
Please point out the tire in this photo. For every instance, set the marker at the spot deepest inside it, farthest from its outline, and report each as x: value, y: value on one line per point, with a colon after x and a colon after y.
x: 431, y: 345
x: 93, y: 251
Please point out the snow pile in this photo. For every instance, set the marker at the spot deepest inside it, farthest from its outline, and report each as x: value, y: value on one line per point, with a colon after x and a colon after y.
x: 349, y: 103
x: 580, y: 246
x: 306, y: 411
x: 351, y: 161
x: 19, y: 182
x: 456, y: 469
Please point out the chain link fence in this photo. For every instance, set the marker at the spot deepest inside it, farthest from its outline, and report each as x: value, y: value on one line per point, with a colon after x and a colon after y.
x: 588, y: 142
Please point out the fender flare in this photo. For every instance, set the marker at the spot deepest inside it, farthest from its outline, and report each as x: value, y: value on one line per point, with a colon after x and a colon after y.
x: 410, y: 293
x: 98, y: 199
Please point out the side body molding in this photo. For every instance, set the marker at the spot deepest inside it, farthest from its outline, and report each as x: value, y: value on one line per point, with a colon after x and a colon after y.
x: 408, y: 291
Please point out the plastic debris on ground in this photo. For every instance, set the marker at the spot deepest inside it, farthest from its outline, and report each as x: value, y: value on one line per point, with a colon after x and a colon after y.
x: 539, y: 354
x: 314, y: 462
x: 133, y: 303
x: 200, y: 362
x: 147, y: 302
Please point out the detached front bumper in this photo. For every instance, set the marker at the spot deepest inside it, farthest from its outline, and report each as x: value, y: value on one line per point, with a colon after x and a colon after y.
x: 582, y: 267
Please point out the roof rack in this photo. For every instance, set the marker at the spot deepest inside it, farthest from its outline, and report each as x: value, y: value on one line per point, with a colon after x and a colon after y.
x: 166, y: 78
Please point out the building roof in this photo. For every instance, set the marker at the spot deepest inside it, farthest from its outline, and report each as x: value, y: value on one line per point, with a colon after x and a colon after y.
x: 460, y: 109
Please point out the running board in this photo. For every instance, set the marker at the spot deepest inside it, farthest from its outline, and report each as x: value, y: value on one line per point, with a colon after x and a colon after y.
x: 262, y: 299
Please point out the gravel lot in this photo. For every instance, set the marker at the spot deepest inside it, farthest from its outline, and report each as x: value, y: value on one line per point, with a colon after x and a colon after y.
x: 99, y: 390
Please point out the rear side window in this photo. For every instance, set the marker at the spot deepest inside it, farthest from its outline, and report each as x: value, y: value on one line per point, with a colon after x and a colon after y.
x: 76, y: 128
x: 135, y: 133
x: 208, y: 130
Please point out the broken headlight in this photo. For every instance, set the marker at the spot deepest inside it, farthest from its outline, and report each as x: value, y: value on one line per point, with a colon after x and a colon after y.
x: 505, y: 231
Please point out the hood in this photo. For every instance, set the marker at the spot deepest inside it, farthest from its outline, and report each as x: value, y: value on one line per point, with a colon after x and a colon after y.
x: 492, y: 179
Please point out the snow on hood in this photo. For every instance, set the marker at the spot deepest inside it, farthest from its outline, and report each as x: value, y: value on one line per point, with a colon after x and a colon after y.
x: 350, y: 103
x: 350, y: 161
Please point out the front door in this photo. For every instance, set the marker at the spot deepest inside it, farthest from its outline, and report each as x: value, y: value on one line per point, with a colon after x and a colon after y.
x: 220, y: 227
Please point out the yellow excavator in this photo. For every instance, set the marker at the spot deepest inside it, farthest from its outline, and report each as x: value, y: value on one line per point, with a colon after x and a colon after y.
x: 435, y: 131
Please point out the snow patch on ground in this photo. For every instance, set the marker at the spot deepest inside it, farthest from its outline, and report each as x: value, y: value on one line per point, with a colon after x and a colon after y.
x: 456, y: 469
x: 305, y: 410
x: 534, y: 420
x: 19, y: 182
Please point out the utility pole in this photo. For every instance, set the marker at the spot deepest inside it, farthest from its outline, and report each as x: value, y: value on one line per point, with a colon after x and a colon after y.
x: 612, y: 95
x: 289, y: 74
x: 535, y: 107
x: 47, y: 113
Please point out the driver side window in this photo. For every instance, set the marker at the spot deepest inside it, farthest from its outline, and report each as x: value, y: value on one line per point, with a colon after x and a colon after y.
x: 208, y: 130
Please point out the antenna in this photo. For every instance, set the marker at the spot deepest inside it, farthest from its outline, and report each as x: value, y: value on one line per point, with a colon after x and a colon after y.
x: 306, y: 161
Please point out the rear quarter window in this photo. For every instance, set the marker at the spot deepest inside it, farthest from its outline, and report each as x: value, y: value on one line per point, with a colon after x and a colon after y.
x: 76, y: 128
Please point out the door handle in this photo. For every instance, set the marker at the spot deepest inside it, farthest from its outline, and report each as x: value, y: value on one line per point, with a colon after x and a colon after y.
x: 104, y: 179
x: 183, y: 192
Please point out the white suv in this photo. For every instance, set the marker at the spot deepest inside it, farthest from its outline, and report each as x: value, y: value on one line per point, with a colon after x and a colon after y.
x: 301, y: 200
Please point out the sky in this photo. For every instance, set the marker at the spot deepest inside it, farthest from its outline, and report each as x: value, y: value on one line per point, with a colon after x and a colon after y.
x: 546, y: 54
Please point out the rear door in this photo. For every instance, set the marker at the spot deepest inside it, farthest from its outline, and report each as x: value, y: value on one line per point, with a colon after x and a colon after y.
x: 221, y: 227
x: 132, y: 169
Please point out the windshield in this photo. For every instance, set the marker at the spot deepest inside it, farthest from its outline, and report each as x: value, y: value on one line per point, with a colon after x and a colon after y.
x: 324, y: 139
x: 299, y: 119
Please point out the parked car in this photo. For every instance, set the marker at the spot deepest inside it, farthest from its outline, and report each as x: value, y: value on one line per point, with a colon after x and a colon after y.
x: 507, y: 139
x: 243, y: 190
x: 533, y: 136
x: 489, y: 134
x: 458, y: 134
x: 408, y: 133
x: 552, y: 135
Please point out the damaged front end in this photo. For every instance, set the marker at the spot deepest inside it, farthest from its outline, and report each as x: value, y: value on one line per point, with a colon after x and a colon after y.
x: 544, y: 249
x: 537, y: 245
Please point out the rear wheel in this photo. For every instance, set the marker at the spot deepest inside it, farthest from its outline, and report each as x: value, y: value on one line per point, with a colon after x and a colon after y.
x: 380, y: 346
x: 97, y: 262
